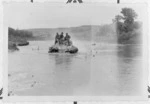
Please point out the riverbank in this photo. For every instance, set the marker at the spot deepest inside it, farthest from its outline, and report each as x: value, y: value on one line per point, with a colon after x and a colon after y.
x: 12, y: 45
x: 18, y: 38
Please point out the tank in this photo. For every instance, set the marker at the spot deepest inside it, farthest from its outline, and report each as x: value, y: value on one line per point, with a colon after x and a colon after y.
x: 63, y: 44
x: 63, y: 49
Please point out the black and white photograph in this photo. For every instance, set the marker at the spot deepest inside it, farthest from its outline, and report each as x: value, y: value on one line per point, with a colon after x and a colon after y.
x: 95, y: 50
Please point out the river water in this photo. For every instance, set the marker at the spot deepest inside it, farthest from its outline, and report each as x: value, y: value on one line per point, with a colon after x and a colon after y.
x: 96, y: 70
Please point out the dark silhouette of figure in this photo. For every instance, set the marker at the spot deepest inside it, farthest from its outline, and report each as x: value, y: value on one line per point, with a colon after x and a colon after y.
x: 148, y: 89
x: 74, y: 1
x: 69, y: 1
x: 80, y: 1
x: 67, y: 39
x: 57, y: 38
x: 61, y: 39
x: 1, y: 91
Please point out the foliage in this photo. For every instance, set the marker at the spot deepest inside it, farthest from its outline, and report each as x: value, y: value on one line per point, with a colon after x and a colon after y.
x: 117, y: 18
x: 126, y: 25
x: 17, y: 37
x: 22, y: 34
x: 128, y: 15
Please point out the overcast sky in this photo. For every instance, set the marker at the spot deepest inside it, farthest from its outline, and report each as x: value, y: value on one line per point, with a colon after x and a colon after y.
x: 44, y: 15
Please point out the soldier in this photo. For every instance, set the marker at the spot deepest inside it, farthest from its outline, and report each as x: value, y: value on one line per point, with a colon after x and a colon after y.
x: 61, y: 38
x: 57, y: 38
x: 69, y: 1
x: 67, y: 39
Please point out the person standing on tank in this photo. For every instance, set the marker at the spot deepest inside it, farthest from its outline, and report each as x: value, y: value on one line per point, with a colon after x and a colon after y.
x: 67, y: 39
x: 61, y: 38
x: 57, y: 38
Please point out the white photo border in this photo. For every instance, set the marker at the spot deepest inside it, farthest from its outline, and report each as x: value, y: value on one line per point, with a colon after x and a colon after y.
x: 74, y: 98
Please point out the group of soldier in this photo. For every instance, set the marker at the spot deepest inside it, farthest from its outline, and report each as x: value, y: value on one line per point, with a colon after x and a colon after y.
x: 63, y: 40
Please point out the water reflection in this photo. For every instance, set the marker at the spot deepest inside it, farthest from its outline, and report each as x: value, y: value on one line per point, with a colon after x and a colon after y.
x: 129, y: 66
x: 63, y: 61
x: 129, y: 51
x: 68, y: 73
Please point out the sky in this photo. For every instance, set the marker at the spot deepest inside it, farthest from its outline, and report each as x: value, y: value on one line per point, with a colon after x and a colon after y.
x: 53, y: 15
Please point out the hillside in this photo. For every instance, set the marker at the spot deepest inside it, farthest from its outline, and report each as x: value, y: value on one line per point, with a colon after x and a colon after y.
x: 98, y: 33
x: 85, y: 32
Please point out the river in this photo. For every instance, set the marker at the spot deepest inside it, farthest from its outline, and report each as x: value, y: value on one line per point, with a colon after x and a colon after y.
x: 109, y: 69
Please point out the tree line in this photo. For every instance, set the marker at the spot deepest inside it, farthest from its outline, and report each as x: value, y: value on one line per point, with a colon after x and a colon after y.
x: 19, y: 33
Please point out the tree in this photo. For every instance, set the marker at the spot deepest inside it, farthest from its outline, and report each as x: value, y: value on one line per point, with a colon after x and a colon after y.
x: 128, y: 15
x: 118, y: 18
x: 125, y: 24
